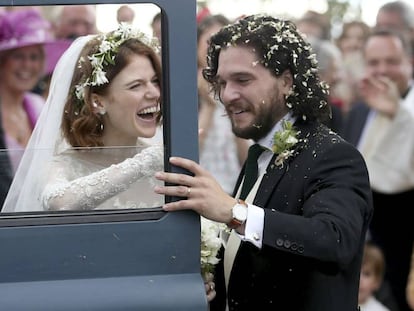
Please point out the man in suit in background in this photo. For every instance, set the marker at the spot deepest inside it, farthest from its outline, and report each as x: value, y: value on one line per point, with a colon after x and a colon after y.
x: 398, y: 16
x: 299, y: 230
x: 383, y: 130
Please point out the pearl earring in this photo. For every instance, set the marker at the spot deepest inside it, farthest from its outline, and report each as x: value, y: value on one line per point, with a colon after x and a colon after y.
x: 102, y: 111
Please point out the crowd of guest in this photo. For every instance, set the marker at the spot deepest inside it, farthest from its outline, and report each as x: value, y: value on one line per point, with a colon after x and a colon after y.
x: 374, y: 91
x: 369, y: 70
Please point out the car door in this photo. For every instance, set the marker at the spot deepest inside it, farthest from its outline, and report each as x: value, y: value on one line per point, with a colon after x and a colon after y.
x: 135, y: 259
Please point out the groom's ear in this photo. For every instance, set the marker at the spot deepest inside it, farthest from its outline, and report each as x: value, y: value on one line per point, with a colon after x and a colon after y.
x: 287, y: 81
x: 97, y: 104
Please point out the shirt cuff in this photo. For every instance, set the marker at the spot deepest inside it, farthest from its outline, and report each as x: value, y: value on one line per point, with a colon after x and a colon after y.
x: 253, y: 231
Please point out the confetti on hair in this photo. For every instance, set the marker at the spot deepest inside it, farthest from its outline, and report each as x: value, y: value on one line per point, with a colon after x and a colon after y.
x: 279, y: 46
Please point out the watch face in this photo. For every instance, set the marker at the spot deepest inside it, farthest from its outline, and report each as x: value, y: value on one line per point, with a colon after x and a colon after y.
x: 240, y: 212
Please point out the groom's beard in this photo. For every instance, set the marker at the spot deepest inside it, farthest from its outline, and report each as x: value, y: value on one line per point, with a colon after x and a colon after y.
x: 267, y: 114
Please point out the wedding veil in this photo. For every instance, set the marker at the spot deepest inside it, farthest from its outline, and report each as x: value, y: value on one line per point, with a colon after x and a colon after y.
x: 46, y: 140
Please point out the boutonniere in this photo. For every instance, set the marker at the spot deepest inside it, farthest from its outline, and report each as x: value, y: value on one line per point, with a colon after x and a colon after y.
x: 284, y: 141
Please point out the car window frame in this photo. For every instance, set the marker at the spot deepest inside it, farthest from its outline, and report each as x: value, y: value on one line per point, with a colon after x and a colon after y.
x: 180, y: 111
x: 70, y: 258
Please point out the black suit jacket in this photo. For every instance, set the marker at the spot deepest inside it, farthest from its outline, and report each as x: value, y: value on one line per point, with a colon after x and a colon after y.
x: 317, y: 210
x: 355, y: 122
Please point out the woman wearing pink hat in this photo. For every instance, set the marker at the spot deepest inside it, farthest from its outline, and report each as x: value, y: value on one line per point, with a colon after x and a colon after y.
x: 23, y: 34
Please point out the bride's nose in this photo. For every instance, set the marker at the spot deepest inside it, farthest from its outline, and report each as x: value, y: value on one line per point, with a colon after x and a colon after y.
x: 153, y: 91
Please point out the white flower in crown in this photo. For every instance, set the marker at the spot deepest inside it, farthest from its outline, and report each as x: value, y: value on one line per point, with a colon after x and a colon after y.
x: 80, y: 91
x: 100, y: 77
x: 284, y: 141
x: 104, y: 47
x: 95, y: 61
x: 125, y: 30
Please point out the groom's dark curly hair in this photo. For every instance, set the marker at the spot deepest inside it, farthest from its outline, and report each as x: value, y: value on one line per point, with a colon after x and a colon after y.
x: 279, y: 47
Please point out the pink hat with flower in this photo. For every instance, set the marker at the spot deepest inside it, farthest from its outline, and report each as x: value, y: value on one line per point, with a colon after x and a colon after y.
x: 23, y: 27
x: 27, y: 27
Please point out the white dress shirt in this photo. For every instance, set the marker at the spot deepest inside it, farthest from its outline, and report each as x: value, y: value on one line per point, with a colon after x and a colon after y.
x: 388, y: 148
x: 373, y: 304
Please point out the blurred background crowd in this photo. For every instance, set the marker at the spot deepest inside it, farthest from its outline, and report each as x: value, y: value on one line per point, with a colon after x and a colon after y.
x: 365, y: 54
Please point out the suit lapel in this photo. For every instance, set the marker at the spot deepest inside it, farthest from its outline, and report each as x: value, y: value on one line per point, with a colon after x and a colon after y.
x: 269, y: 181
x: 274, y: 172
x: 355, y: 123
x: 239, y: 180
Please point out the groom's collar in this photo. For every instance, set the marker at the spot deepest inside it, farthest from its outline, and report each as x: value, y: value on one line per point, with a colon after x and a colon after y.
x: 267, y: 141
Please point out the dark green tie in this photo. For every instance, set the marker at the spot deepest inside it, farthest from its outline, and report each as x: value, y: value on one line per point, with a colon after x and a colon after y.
x: 251, y: 170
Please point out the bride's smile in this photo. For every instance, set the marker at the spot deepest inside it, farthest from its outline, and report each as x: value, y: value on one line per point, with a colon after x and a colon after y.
x: 149, y: 113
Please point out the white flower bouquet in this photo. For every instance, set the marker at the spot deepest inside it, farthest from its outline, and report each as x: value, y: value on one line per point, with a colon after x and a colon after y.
x: 210, y: 244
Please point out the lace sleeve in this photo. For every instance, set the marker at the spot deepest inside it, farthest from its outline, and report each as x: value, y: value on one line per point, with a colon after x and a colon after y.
x: 89, y: 191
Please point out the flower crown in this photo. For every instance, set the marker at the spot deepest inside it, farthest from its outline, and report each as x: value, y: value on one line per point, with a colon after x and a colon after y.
x: 106, y: 55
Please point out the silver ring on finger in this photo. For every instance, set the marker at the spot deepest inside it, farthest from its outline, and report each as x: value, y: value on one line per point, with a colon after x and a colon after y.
x: 188, y: 191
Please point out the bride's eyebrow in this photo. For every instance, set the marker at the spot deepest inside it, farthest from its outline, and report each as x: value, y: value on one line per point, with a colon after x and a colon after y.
x: 136, y: 80
x: 141, y: 81
x: 132, y: 82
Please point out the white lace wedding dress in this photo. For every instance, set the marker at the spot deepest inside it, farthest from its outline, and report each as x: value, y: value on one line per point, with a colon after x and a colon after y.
x: 103, y: 178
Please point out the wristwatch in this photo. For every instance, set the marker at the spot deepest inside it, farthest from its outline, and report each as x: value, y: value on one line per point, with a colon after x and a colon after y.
x: 239, y: 211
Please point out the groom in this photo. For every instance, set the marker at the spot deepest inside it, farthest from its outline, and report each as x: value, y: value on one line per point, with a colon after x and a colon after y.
x: 298, y: 232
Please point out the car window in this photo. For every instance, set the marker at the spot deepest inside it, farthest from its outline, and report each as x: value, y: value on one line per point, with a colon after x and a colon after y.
x: 135, y: 258
x: 71, y: 167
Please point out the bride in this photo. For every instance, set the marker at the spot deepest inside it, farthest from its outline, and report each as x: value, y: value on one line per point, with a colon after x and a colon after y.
x: 87, y: 150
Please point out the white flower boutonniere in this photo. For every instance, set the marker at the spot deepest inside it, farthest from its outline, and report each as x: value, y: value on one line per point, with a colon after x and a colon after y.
x: 283, y: 142
x: 210, y: 244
